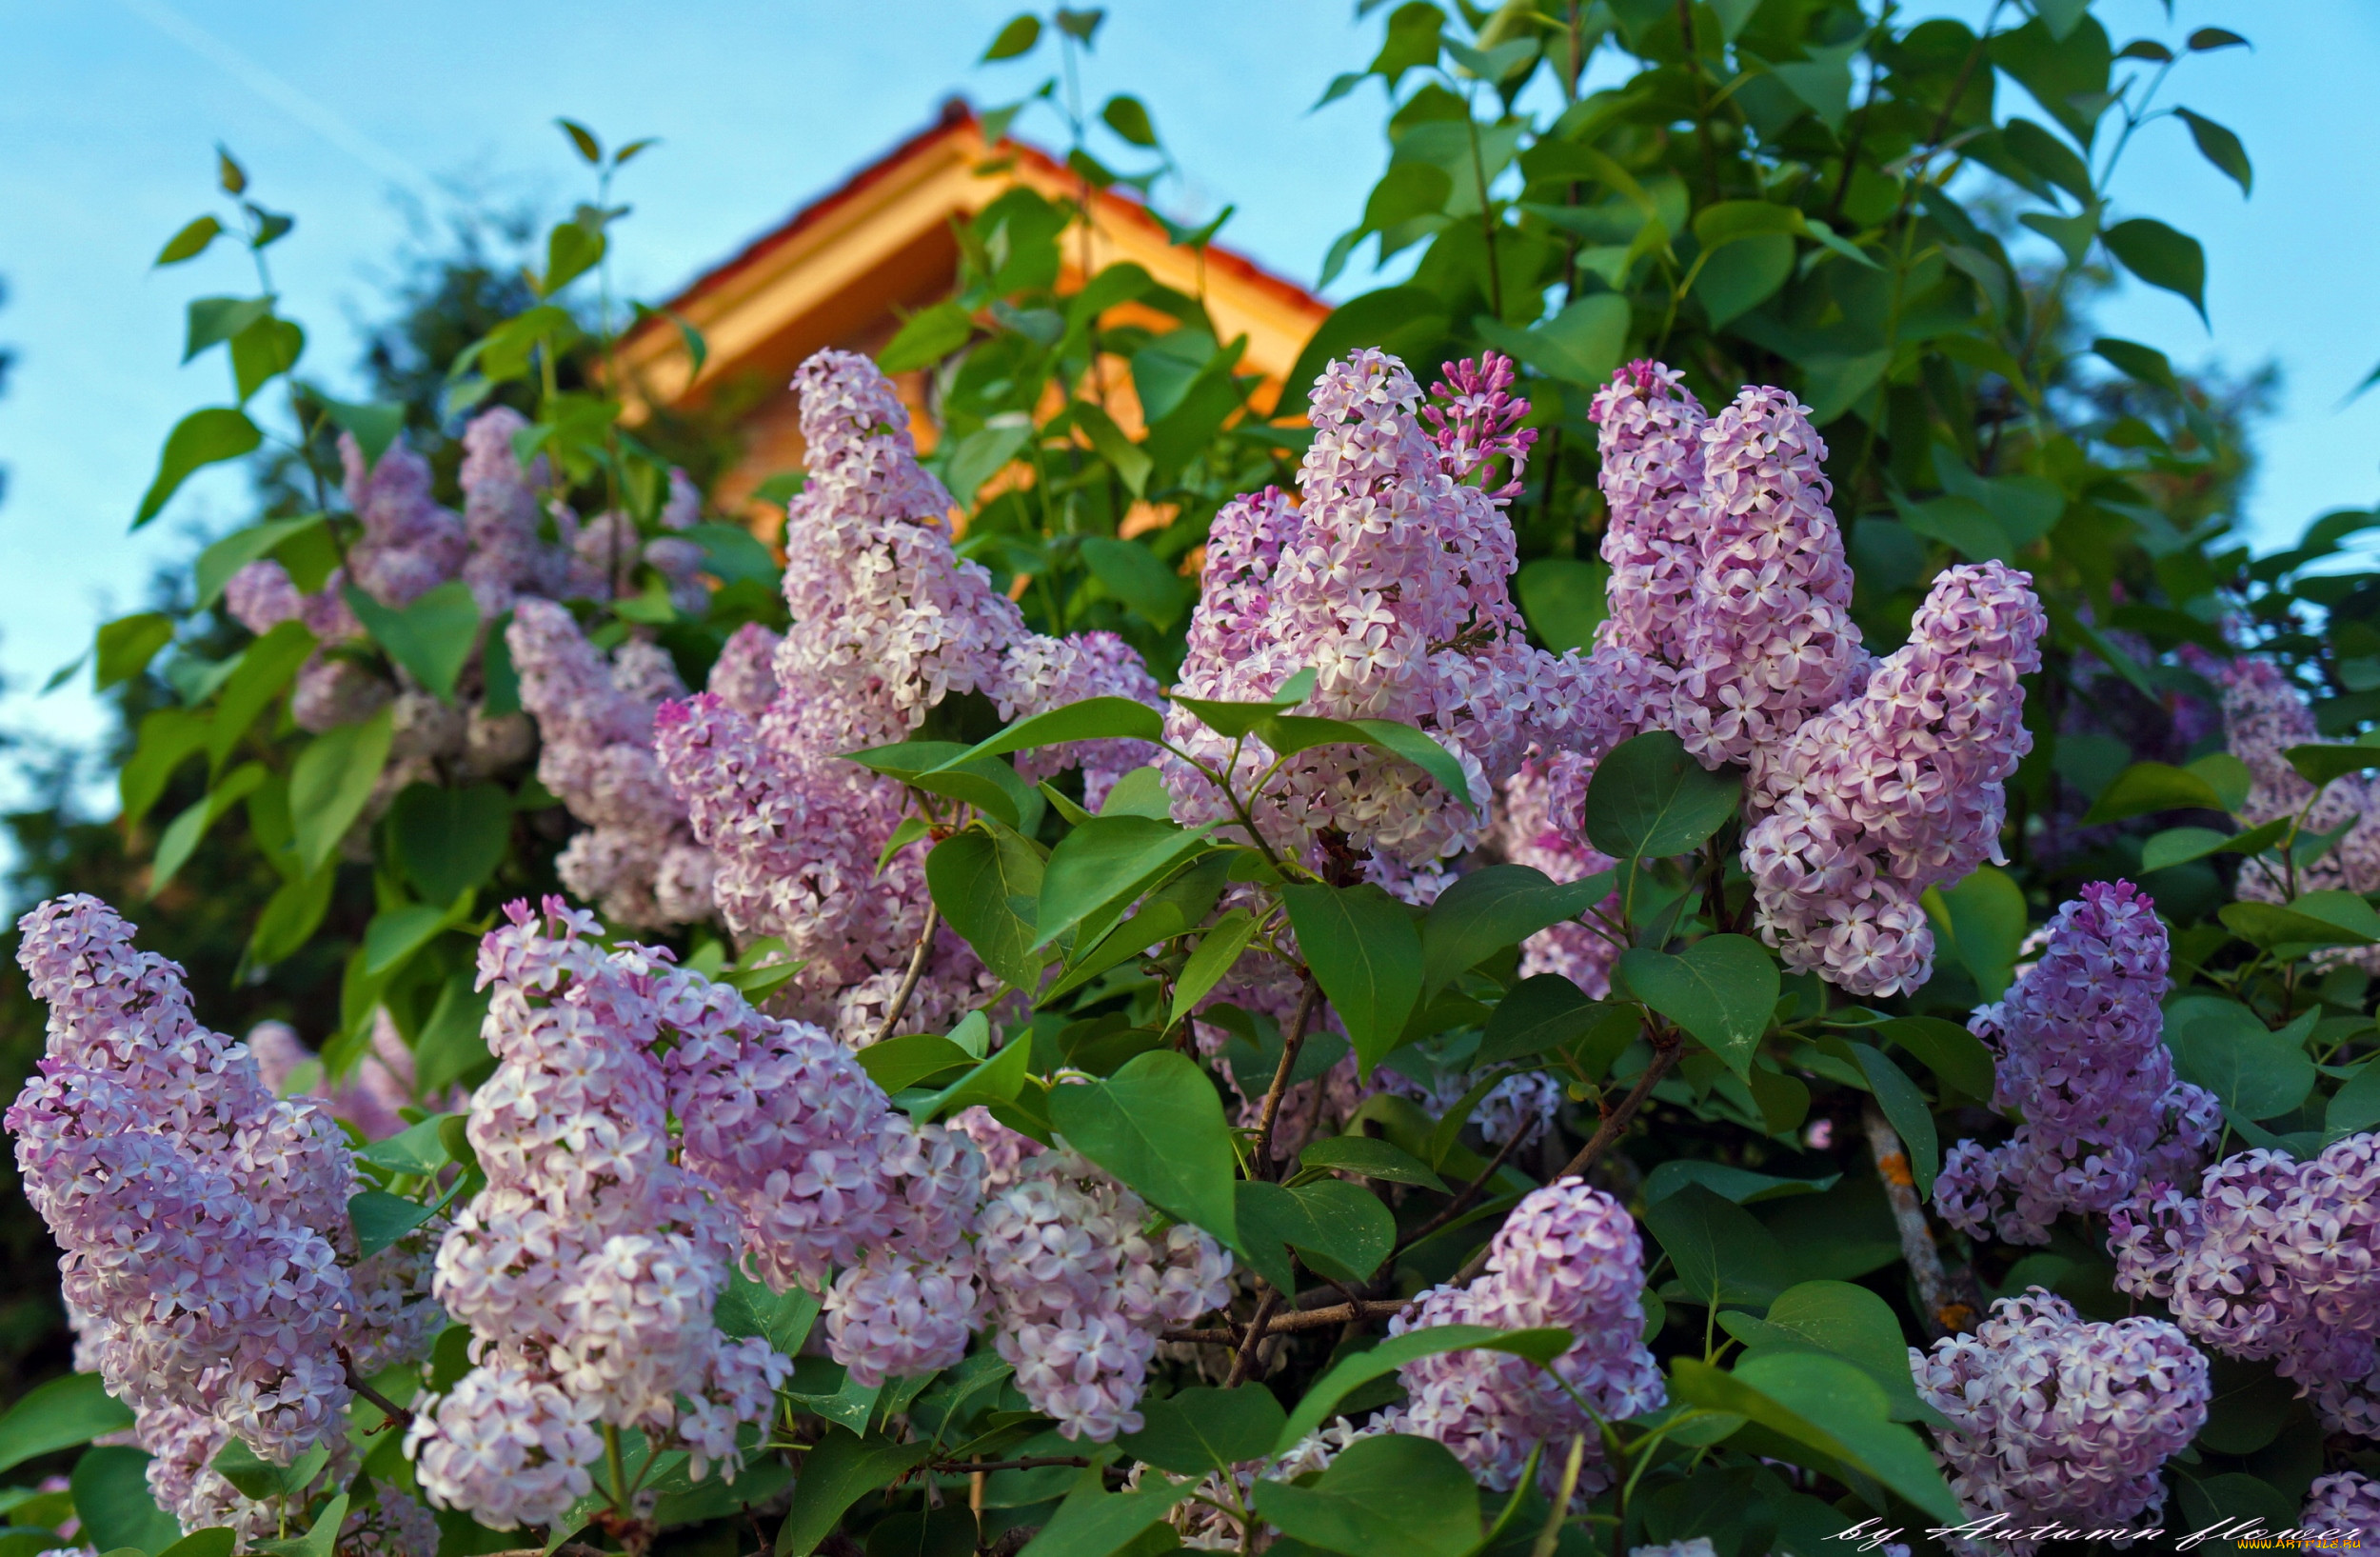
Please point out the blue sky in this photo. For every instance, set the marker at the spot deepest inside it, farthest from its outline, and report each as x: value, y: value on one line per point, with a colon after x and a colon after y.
x: 110, y: 110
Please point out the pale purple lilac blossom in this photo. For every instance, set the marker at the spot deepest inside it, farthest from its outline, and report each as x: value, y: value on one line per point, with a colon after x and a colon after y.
x: 2056, y: 1417
x: 2263, y: 716
x: 2344, y: 1504
x: 2273, y: 1259
x: 1568, y: 1256
x: 2081, y: 1061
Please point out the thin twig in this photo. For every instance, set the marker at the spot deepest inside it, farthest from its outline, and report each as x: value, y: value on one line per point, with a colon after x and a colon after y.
x: 1031, y: 1462
x: 1667, y: 1046
x: 1463, y: 1197
x: 1298, y: 1321
x: 370, y: 1396
x: 1265, y: 1167
x: 1247, y: 1358
x: 917, y: 971
x: 1947, y: 1311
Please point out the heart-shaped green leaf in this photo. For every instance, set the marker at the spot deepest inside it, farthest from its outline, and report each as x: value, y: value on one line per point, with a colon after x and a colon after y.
x: 1722, y: 990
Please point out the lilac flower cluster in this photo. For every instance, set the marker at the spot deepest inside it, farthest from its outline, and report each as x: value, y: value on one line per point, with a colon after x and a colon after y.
x: 888, y: 622
x: 1389, y: 580
x: 1204, y: 1521
x: 1898, y: 789
x: 2053, y: 1417
x: 2263, y: 716
x: 2345, y: 1503
x: 1079, y: 1287
x: 2273, y: 1258
x: 588, y: 1266
x: 2082, y: 1062
x: 637, y: 858
x: 209, y: 1264
x: 1568, y: 1256
x: 1650, y: 440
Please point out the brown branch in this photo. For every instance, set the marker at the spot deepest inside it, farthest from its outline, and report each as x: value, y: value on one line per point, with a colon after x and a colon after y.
x: 1667, y: 1046
x: 1247, y: 1358
x: 397, y: 1415
x: 1265, y: 1167
x: 1463, y: 1198
x: 1296, y: 1321
x: 1031, y: 1462
x: 1948, y: 1311
x: 917, y: 971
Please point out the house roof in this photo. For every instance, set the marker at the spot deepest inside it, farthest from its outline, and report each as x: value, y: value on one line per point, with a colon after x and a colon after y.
x: 845, y: 268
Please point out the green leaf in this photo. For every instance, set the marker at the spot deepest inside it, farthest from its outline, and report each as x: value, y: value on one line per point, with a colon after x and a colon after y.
x: 1580, y: 345
x: 988, y: 885
x: 1017, y: 37
x: 2144, y: 362
x: 448, y: 840
x: 898, y: 1063
x: 1366, y: 955
x: 1129, y: 117
x: 1102, y: 864
x: 2162, y: 257
x: 381, y: 1218
x: 926, y: 338
x: 432, y: 637
x: 373, y: 425
x: 2355, y: 1108
x: 1740, y: 1184
x: 236, y: 550
x: 1983, y: 919
x: 2319, y: 765
x: 590, y: 149
x: 2207, y: 39
x: 839, y: 1471
x: 419, y: 1148
x: 1650, y: 800
x: 1158, y: 1124
x: 1198, y: 1429
x: 1341, y: 1230
x: 1493, y: 907
x: 1906, y: 1109
x: 781, y: 1319
x: 1094, y: 1522
x: 331, y: 781
x: 450, y: 1049
x: 1841, y: 1319
x: 734, y: 553
x: 1722, y: 1253
x: 190, y: 241
x: 1564, y: 599
x: 1138, y: 577
x: 572, y: 249
x: 1094, y: 718
x: 215, y: 320
x: 2146, y: 787
x: 290, y: 917
x: 1547, y: 1011
x: 1376, y: 1159
x: 1322, y: 1397
x: 262, y: 353
x: 1947, y: 1049
x: 1741, y: 275
x: 396, y: 933
x: 2312, y: 919
x: 217, y: 1541
x: 1722, y: 990
x: 181, y: 838
x: 1388, y: 1495
x: 168, y: 737
x: 62, y: 1413
x: 111, y: 1498
x: 1233, y: 720
x: 2225, y: 1047
x: 1793, y: 1393
x: 2053, y: 159
x: 2220, y: 147
x: 127, y: 644
x: 1218, y: 950
x: 201, y: 438
x: 992, y: 1081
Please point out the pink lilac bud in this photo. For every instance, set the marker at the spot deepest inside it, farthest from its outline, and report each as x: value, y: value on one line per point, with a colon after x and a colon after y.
x: 1896, y: 790
x: 1770, y: 640
x: 409, y: 545
x: 1078, y: 1288
x: 1568, y: 1256
x: 588, y: 1266
x: 1475, y: 419
x: 1390, y: 581
x: 2081, y: 1061
x: 2343, y: 1504
x: 204, y: 1222
x: 2273, y: 1259
x: 2054, y: 1418
x: 1651, y: 443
